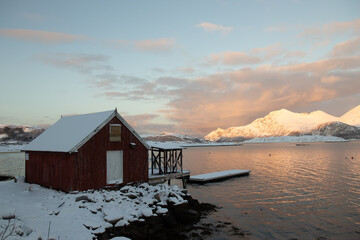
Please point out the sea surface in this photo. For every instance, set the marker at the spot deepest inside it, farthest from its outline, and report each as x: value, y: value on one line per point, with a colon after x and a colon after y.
x: 12, y: 164
x: 292, y: 192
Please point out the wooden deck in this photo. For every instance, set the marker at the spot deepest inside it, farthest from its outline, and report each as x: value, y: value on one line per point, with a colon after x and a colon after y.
x: 161, y: 178
x: 218, y: 176
x: 166, y: 164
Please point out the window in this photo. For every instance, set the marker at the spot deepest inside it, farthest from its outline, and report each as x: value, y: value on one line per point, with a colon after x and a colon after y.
x: 115, y: 132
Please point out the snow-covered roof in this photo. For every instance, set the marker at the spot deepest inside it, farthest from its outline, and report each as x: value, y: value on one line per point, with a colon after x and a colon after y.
x: 69, y: 133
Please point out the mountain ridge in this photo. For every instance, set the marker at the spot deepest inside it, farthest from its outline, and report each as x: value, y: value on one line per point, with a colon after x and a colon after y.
x: 285, y: 123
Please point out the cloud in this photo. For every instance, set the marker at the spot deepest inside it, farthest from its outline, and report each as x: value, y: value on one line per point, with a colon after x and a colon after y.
x: 40, y: 36
x: 157, y: 45
x: 324, y: 66
x: 233, y: 98
x: 110, y: 80
x: 144, y: 123
x: 211, y: 27
x: 187, y: 70
x: 233, y: 58
x: 269, y: 52
x: 253, y: 56
x: 334, y: 28
x: 83, y: 63
x: 330, y: 79
x: 347, y: 48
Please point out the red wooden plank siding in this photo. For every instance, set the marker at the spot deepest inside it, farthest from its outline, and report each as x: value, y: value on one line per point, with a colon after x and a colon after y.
x: 86, y: 169
x: 50, y: 169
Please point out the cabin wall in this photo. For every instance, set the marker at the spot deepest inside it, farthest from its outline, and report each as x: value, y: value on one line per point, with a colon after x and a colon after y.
x: 50, y: 169
x: 86, y: 169
x: 90, y: 161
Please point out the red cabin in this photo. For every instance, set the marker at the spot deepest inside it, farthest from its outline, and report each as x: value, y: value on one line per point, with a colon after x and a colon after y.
x: 87, y: 151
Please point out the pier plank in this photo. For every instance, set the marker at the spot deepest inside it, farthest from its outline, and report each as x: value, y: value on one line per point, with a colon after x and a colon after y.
x: 217, y: 176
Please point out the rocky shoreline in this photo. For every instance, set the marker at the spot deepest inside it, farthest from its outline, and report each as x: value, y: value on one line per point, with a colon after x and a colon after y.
x: 174, y: 224
x: 139, y: 211
x: 182, y: 221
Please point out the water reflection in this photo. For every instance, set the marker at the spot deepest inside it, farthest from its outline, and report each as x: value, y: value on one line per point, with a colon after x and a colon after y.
x: 304, y: 192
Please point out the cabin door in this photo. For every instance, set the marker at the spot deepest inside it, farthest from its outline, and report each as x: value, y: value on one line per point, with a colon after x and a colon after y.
x: 114, y: 167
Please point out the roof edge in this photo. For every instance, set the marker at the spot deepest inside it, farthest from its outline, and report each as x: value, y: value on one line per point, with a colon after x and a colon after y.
x: 88, y: 137
x: 132, y: 130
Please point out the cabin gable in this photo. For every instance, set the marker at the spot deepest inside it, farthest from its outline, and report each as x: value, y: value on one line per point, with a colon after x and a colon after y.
x: 86, y: 168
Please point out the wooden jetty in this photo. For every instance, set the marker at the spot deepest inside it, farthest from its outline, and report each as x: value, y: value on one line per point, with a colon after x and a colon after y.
x: 166, y: 164
x: 218, y: 176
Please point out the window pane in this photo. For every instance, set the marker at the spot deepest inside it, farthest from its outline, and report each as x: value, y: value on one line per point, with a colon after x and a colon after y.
x: 115, y: 133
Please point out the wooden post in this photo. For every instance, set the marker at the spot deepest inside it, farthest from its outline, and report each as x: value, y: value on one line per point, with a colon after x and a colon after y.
x: 181, y: 161
x: 183, y: 182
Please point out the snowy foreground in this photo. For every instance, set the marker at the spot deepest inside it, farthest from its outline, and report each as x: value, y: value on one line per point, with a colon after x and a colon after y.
x: 33, y: 211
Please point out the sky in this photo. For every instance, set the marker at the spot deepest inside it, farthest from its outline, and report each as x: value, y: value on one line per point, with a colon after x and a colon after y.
x: 178, y: 66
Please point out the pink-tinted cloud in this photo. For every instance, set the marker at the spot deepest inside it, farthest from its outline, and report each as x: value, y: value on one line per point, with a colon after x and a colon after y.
x: 330, y: 79
x: 253, y: 56
x: 324, y: 66
x: 157, y: 45
x: 334, y: 28
x: 144, y: 123
x: 270, y: 51
x: 211, y: 27
x: 83, y: 63
x: 233, y: 98
x: 347, y: 48
x: 233, y: 58
x: 40, y: 36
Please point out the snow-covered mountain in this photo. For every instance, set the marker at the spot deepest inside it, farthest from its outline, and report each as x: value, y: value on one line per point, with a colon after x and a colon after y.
x: 285, y: 123
x: 172, y: 137
x: 352, y: 117
x: 18, y: 133
x: 337, y: 129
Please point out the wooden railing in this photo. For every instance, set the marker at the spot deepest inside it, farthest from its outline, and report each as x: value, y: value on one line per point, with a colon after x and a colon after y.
x: 166, y: 161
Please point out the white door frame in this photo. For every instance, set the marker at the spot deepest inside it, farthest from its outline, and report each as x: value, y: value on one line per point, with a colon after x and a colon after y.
x: 114, y: 167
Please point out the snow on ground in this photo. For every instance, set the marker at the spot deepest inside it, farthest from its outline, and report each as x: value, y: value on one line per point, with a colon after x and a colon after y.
x: 11, y: 147
x: 296, y: 139
x: 3, y: 135
x: 32, y: 209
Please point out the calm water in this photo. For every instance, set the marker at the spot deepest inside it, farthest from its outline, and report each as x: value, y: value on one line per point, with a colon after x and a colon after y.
x: 12, y: 164
x: 304, y: 192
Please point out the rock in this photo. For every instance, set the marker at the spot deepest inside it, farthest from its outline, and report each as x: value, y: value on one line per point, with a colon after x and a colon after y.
x: 91, y: 225
x: 112, y: 220
x: 26, y: 230
x: 157, y: 197
x: 186, y: 215
x: 147, y: 212
x: 169, y: 220
x: 131, y: 196
x: 174, y: 224
x: 83, y: 198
